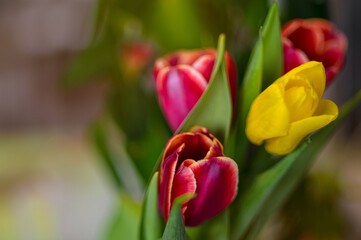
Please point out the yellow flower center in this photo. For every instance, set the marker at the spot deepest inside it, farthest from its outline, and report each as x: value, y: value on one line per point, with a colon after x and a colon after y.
x: 300, y: 98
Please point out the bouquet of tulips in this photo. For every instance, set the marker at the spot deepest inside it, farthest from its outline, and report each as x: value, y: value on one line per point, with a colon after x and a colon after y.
x: 232, y: 147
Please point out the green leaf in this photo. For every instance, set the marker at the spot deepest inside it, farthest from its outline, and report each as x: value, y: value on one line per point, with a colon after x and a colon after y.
x: 272, y: 47
x: 151, y: 223
x: 110, y: 148
x: 270, y: 189
x: 214, y: 108
x: 126, y: 219
x: 250, y: 89
x: 258, y: 197
x: 215, y: 229
x: 252, y: 83
x: 175, y: 230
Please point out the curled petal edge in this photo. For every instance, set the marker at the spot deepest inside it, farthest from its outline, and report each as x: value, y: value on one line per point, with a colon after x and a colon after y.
x: 326, y: 112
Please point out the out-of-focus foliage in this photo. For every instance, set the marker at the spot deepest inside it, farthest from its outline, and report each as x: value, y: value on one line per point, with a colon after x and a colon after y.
x: 318, y: 196
x: 151, y: 223
x: 126, y: 220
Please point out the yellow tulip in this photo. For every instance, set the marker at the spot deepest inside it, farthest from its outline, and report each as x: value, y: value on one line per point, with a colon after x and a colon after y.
x: 290, y: 109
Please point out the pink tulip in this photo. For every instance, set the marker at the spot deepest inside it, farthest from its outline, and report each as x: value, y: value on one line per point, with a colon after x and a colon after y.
x: 182, y: 77
x: 193, y: 162
x: 313, y: 40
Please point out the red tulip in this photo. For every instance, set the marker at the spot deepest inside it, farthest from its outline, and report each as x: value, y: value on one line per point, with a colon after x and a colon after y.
x: 193, y: 162
x: 182, y: 77
x: 135, y: 57
x: 313, y: 40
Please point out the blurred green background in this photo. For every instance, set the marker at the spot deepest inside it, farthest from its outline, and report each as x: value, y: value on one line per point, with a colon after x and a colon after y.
x: 65, y: 64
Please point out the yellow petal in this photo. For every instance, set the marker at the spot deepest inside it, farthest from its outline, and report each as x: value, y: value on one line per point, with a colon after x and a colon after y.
x: 301, y: 99
x: 268, y: 117
x: 326, y: 112
x: 313, y: 71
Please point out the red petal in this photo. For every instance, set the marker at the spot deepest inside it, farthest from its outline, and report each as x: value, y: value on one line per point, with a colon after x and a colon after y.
x: 232, y: 77
x: 292, y: 57
x: 310, y: 41
x: 179, y: 88
x: 324, y: 25
x: 216, y: 150
x: 217, y: 180
x: 196, y: 146
x: 184, y: 182
x: 331, y: 73
x: 166, y: 177
x: 291, y: 26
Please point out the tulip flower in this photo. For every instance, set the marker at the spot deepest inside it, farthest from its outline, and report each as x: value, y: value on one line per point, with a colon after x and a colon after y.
x: 290, y: 109
x: 313, y: 40
x: 182, y: 77
x: 135, y: 56
x: 194, y: 163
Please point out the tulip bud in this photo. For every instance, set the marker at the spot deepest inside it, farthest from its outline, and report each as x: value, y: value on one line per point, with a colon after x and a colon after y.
x: 290, y: 109
x: 313, y: 40
x: 193, y: 163
x: 181, y: 78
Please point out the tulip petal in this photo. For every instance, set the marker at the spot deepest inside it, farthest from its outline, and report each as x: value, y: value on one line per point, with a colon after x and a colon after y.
x: 333, y: 55
x: 232, y: 78
x: 159, y: 65
x: 166, y: 178
x: 326, y: 112
x: 197, y: 145
x: 292, y: 57
x: 313, y: 71
x: 309, y: 40
x: 205, y: 65
x: 217, y: 180
x: 268, y: 117
x: 184, y: 183
x: 331, y: 73
x: 183, y: 57
x: 179, y: 89
x: 290, y: 27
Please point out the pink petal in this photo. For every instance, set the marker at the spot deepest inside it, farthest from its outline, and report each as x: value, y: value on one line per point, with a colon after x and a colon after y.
x: 179, y: 88
x: 183, y: 57
x: 159, y: 65
x: 166, y: 177
x: 205, y: 65
x: 217, y: 180
x: 292, y: 57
